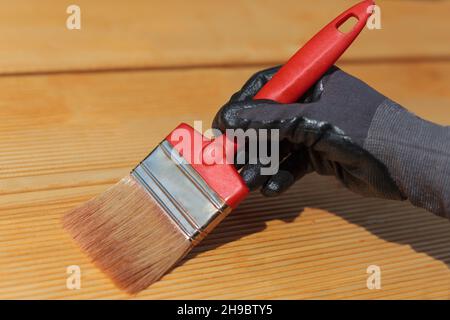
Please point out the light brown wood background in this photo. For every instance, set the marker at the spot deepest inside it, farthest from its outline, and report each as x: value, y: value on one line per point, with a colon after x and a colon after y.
x: 78, y: 109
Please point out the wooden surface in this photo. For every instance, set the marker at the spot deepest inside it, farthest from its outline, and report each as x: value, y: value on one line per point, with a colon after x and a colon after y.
x: 79, y: 109
x: 175, y: 33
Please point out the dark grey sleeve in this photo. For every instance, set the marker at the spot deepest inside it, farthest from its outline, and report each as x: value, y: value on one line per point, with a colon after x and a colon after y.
x: 416, y: 153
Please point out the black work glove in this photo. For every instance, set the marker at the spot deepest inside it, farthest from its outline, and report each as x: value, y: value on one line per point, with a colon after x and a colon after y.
x: 324, y: 133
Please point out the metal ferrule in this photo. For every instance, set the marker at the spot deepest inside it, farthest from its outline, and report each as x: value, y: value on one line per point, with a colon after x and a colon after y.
x: 181, y: 191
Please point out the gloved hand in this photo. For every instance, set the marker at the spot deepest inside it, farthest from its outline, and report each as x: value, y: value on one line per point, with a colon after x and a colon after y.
x: 325, y: 133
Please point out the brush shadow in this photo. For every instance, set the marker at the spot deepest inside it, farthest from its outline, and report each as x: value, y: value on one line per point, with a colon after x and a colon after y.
x: 393, y: 221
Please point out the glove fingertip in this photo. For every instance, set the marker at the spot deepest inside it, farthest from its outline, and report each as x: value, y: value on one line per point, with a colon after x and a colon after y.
x: 251, y: 174
x: 254, y: 84
x: 278, y: 184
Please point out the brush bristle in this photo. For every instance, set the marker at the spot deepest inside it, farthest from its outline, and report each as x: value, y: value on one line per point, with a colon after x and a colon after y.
x: 127, y: 235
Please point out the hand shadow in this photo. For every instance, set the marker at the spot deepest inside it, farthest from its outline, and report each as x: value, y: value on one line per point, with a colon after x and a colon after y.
x: 393, y: 221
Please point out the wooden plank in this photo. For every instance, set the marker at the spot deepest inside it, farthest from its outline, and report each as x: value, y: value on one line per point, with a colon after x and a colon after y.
x: 66, y: 137
x: 154, y: 34
x: 318, y: 245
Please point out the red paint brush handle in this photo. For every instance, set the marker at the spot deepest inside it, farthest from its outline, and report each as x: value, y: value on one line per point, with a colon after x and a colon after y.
x: 286, y: 86
x: 320, y: 53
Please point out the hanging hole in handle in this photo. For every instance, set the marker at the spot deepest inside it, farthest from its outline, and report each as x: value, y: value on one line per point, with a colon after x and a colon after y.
x: 347, y: 24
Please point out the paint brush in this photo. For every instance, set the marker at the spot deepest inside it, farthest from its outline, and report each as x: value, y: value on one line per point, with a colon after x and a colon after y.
x: 138, y: 229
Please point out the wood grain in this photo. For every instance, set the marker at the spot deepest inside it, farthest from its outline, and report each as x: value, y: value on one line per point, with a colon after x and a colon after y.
x: 66, y: 137
x: 178, y: 33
